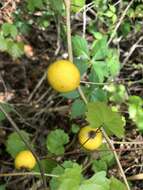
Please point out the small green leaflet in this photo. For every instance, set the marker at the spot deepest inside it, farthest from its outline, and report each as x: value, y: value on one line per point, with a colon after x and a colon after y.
x: 78, y: 108
x: 77, y: 5
x: 116, y: 184
x: 82, y: 65
x: 99, y: 165
x: 3, y: 44
x: 105, y: 60
x: 117, y: 93
x: 14, y: 143
x: 7, y: 108
x: 57, y: 6
x: 98, y: 94
x: 9, y: 29
x: 59, y: 170
x: 15, y: 49
x: 70, y: 95
x: 100, y: 114
x: 56, y: 140
x: 54, y: 182
x: 100, y: 69
x: 113, y: 63
x: 107, y: 66
x: 135, y: 108
x: 75, y: 128
x: 107, y: 155
x: 3, y: 187
x: 34, y: 4
x: 97, y: 181
x: 80, y: 47
x: 99, y: 49
x: 47, y: 164
x: 71, y: 178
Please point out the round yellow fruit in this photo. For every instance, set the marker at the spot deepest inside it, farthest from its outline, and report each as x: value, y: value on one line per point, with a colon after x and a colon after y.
x: 90, y: 138
x: 25, y: 159
x: 63, y: 76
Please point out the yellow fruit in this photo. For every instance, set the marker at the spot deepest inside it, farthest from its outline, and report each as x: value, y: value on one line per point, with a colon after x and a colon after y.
x: 90, y: 138
x: 63, y: 76
x: 25, y: 159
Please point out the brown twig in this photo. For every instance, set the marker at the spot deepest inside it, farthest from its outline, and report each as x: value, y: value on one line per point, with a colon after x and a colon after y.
x: 120, y: 21
x: 136, y: 177
x: 36, y: 87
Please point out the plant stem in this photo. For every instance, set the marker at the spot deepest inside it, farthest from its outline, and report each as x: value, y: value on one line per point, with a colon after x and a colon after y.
x: 116, y: 157
x: 26, y: 143
x: 82, y: 95
x: 67, y: 6
x: 26, y: 173
x: 68, y: 24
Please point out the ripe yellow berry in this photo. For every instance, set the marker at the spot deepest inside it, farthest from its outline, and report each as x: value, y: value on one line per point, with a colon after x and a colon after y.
x: 25, y: 159
x: 63, y: 76
x: 90, y: 138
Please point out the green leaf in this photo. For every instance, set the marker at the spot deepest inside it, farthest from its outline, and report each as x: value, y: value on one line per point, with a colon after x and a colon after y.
x: 125, y: 28
x: 99, y: 114
x: 99, y: 165
x: 82, y: 65
x: 109, y: 66
x: 59, y: 170
x: 109, y: 14
x: 112, y: 8
x: 57, y: 6
x: 107, y: 155
x: 99, y: 49
x: 97, y: 181
x: 75, y: 128
x: 117, y: 93
x: 34, y: 4
x: 78, y: 108
x: 54, y: 182
x: 70, y: 95
x: 113, y: 63
x: 14, y: 144
x: 98, y: 95
x: 9, y: 29
x: 15, y: 49
x: 135, y: 108
x: 135, y: 104
x: 47, y: 164
x: 80, y: 47
x: 3, y: 187
x: 93, y: 76
x: 77, y: 5
x: 100, y: 68
x: 70, y: 179
x: 56, y: 141
x: 97, y: 35
x: 116, y: 184
x: 106, y: 160
x: 3, y: 44
x: 7, y: 109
